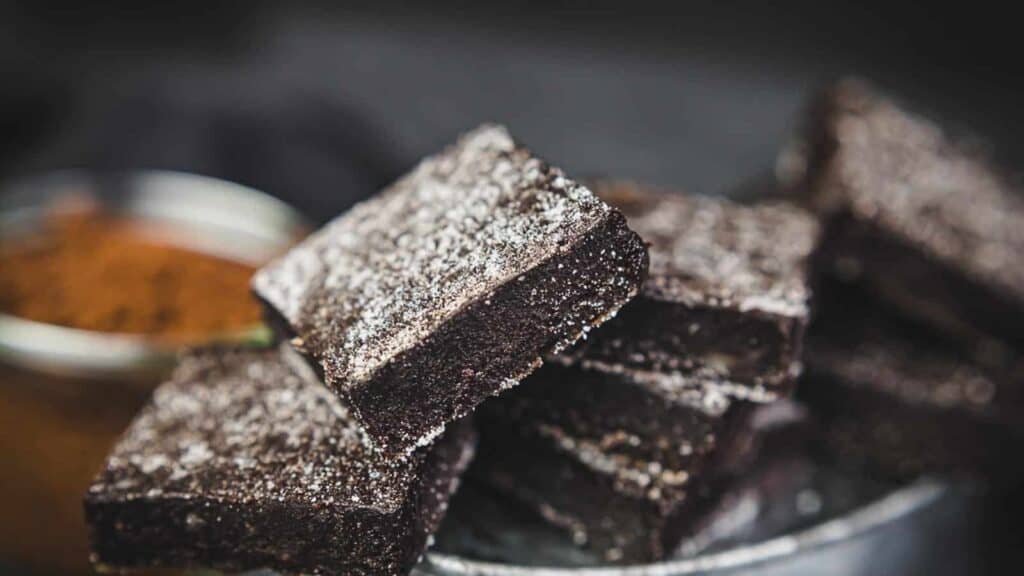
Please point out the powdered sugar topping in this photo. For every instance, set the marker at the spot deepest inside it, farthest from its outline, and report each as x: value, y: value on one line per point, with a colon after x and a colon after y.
x: 713, y: 252
x: 386, y: 274
x: 242, y: 426
x: 905, y: 173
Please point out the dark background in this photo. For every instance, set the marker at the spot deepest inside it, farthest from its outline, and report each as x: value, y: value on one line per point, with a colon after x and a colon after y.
x: 322, y: 104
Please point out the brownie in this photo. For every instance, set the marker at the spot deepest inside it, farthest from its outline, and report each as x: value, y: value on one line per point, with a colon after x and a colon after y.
x: 918, y: 217
x: 897, y: 400
x: 629, y: 495
x: 451, y: 285
x: 596, y: 454
x: 620, y: 527
x: 726, y: 300
x: 240, y: 463
x: 764, y: 455
x: 651, y: 444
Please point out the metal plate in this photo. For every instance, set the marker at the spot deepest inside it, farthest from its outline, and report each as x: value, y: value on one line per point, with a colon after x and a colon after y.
x: 791, y: 506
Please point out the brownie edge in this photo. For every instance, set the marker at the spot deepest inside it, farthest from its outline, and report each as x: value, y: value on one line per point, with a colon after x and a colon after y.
x: 493, y: 344
x: 451, y: 285
x: 918, y: 216
x: 726, y: 298
x: 240, y: 463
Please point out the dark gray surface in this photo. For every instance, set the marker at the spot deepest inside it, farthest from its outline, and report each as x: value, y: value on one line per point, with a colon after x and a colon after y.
x: 701, y: 100
x: 686, y: 119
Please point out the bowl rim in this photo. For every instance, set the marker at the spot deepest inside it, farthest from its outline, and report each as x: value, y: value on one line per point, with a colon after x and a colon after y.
x: 875, y: 514
x: 73, y: 352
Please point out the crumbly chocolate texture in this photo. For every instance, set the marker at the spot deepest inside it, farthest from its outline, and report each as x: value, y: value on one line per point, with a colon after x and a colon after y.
x: 599, y: 456
x: 572, y: 496
x: 896, y: 400
x: 451, y: 285
x: 241, y: 463
x: 871, y: 432
x: 648, y: 444
x: 622, y: 501
x: 764, y: 444
x: 726, y: 299
x: 923, y: 221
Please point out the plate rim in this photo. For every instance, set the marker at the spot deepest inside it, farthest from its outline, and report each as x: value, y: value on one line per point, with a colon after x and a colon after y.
x: 878, y: 512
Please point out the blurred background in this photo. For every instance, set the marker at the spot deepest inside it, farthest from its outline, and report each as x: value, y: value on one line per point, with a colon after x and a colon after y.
x: 321, y: 103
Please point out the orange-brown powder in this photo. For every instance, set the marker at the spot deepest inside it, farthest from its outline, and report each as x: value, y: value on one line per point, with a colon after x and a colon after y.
x: 105, y: 273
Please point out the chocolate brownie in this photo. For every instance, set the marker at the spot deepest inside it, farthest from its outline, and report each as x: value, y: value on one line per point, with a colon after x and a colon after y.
x: 925, y: 222
x: 629, y: 493
x: 620, y: 527
x: 600, y: 456
x: 451, y: 285
x: 897, y: 400
x: 242, y: 463
x: 726, y: 300
x: 649, y: 443
x: 765, y: 453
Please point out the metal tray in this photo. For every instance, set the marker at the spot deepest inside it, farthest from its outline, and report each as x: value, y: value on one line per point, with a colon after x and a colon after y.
x: 486, y: 535
x: 784, y: 510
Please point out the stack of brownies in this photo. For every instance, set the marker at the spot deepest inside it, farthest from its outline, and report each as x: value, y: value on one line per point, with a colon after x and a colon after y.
x: 915, y: 357
x: 620, y: 439
x: 337, y: 452
x: 619, y: 349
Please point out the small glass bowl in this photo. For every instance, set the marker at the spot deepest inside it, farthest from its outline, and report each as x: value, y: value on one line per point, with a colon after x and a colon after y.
x: 66, y: 394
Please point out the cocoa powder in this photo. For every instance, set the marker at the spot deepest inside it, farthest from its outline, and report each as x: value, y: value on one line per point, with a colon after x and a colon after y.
x: 100, y: 272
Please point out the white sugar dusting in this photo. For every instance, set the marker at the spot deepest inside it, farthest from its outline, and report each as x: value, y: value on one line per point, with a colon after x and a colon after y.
x: 243, y: 426
x: 703, y: 388
x: 902, y: 172
x: 383, y: 276
x: 713, y: 252
x: 649, y: 479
